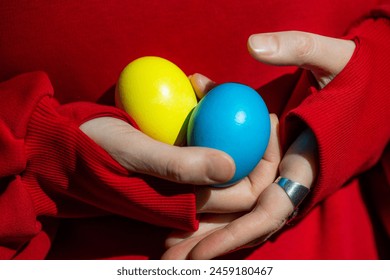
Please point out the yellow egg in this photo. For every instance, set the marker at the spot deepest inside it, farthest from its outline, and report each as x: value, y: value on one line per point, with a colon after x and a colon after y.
x: 158, y: 96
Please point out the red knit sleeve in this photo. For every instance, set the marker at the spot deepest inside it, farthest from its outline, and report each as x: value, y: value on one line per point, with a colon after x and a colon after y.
x: 48, y: 167
x: 350, y: 116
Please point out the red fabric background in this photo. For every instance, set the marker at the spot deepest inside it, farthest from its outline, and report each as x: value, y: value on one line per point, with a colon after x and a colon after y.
x: 54, y: 206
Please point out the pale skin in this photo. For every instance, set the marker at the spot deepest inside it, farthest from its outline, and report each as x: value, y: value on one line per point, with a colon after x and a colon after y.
x: 249, y: 212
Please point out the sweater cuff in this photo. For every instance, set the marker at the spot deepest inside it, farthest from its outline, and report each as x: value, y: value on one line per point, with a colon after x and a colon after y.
x: 81, y: 112
x: 71, y: 176
x: 68, y: 175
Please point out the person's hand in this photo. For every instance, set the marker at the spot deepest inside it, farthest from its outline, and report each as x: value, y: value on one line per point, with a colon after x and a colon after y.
x: 324, y: 56
x: 219, y: 234
x: 139, y: 153
x: 244, y: 194
x: 228, y: 219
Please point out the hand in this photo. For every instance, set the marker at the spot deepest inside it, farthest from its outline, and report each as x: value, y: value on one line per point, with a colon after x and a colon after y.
x: 217, y: 235
x: 243, y: 195
x: 235, y: 219
x: 325, y: 57
x: 139, y: 153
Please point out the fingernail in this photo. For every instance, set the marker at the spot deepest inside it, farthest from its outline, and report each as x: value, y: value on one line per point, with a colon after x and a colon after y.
x: 263, y: 43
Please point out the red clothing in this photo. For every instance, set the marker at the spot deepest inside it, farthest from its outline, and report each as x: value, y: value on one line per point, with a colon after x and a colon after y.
x: 62, y: 196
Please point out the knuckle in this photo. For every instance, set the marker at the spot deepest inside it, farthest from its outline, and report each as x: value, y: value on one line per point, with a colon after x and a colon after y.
x: 275, y: 222
x: 188, y: 168
x: 283, y: 165
x: 175, y: 170
x: 305, y: 45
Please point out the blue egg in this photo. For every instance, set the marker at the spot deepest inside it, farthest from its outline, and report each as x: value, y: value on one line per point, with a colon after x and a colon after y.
x: 232, y: 118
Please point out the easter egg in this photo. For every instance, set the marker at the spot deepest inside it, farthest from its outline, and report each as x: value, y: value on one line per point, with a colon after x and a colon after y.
x: 232, y: 118
x: 158, y: 96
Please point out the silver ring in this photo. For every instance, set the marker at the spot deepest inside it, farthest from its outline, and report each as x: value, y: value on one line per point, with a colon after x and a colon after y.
x: 295, y: 191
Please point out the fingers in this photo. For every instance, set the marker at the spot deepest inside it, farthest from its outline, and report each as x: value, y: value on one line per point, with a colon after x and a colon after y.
x: 243, y: 195
x: 324, y: 56
x: 300, y: 162
x: 181, y: 249
x: 140, y: 153
x: 235, y: 232
x: 268, y: 216
x: 265, y: 172
x: 179, y: 244
x: 272, y: 209
x: 201, y: 84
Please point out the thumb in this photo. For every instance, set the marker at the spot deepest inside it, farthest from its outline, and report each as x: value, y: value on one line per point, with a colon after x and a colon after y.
x: 324, y: 56
x: 139, y: 153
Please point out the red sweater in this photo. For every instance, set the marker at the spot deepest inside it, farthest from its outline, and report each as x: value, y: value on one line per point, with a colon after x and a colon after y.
x: 62, y: 196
